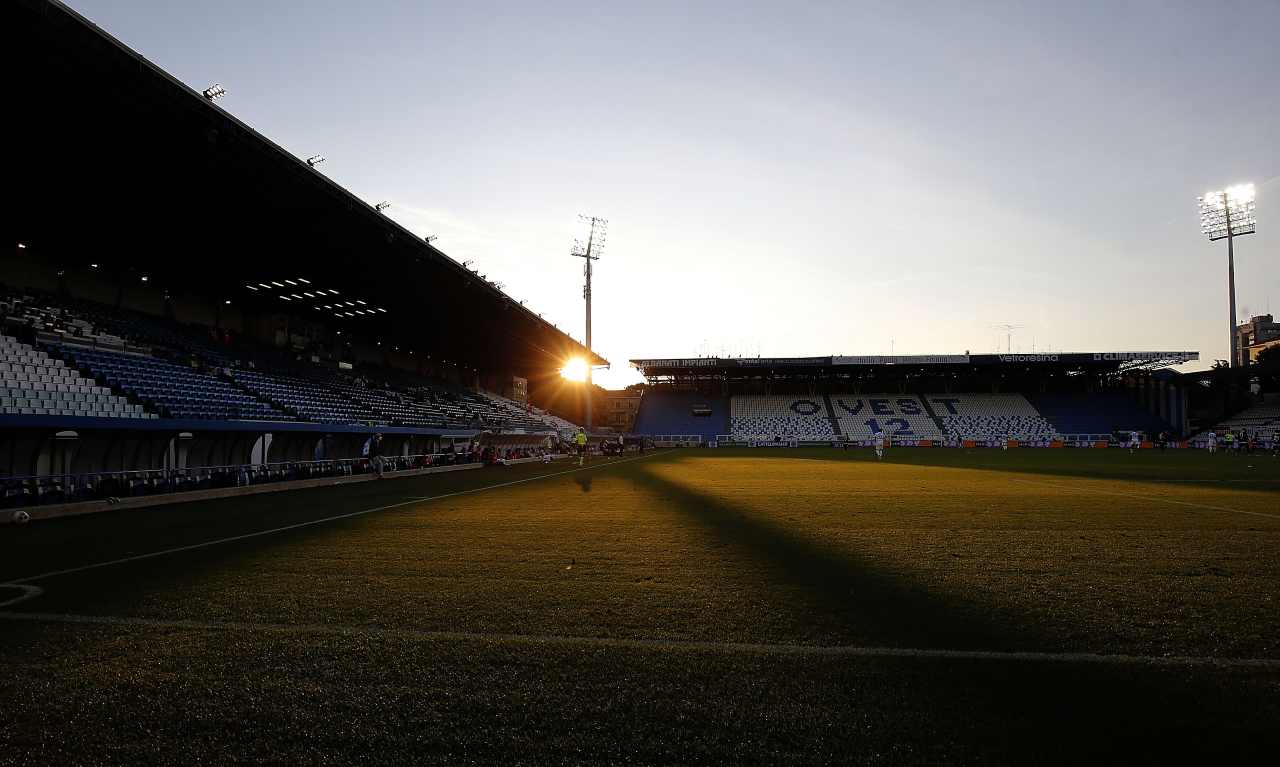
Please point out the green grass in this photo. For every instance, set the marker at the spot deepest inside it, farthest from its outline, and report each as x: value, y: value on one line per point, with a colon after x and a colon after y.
x: 679, y: 608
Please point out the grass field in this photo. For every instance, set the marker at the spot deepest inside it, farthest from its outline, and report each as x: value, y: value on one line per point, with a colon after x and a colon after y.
x: 733, y: 606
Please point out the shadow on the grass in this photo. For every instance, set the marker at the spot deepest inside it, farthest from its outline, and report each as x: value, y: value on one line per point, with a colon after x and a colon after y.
x: 1020, y: 710
x: 859, y: 599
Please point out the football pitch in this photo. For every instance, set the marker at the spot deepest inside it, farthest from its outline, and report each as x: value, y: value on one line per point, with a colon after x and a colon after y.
x: 685, y: 606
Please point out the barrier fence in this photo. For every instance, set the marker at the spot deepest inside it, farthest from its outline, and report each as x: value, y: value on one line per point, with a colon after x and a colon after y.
x: 1265, y: 443
x: 21, y: 491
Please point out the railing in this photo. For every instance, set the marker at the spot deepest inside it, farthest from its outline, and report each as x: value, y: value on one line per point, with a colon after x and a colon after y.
x: 949, y: 440
x: 24, y: 491
x: 676, y: 440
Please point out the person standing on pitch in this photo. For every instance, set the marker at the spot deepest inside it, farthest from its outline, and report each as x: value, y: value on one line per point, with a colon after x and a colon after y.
x: 879, y: 439
x: 580, y: 440
x: 375, y: 453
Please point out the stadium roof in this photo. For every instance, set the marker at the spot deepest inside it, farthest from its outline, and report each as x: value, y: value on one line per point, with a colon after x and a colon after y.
x: 119, y: 164
x: 744, y: 367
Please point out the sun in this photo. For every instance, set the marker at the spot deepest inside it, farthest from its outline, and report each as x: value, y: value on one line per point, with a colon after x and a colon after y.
x: 575, y: 369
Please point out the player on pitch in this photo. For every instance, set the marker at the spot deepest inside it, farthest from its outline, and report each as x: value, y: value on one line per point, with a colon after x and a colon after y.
x: 580, y: 440
x: 879, y: 440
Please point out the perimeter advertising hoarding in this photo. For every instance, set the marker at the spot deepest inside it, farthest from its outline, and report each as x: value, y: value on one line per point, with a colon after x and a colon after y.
x: 903, y: 359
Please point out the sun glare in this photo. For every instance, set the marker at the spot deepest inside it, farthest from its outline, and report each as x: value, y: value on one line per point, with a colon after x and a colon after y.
x: 574, y: 370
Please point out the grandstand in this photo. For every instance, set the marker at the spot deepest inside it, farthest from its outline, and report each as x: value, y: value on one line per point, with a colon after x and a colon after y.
x: 254, y: 314
x: 149, y: 367
x: 1079, y: 398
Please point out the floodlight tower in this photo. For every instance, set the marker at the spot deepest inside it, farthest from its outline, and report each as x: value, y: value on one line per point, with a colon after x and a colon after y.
x: 591, y: 252
x: 1227, y: 214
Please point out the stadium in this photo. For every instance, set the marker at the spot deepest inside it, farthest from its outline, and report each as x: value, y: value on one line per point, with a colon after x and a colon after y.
x: 283, y: 481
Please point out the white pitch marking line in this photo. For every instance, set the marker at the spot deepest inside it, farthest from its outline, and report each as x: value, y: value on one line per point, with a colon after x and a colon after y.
x: 28, y: 592
x: 1118, y: 494
x: 286, y: 528
x: 657, y: 644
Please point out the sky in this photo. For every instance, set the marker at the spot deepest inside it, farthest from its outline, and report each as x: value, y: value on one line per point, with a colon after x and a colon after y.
x: 790, y: 178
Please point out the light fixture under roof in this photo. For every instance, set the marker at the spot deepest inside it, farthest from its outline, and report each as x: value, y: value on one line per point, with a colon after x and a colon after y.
x: 303, y: 281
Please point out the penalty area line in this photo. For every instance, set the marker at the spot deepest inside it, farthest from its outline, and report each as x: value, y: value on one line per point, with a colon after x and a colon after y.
x: 321, y: 521
x: 675, y: 645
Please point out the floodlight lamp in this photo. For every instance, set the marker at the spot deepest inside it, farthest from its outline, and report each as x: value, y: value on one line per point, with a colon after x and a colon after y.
x: 382, y: 206
x: 1228, y: 212
x: 214, y: 92
x: 1242, y: 193
x: 315, y: 160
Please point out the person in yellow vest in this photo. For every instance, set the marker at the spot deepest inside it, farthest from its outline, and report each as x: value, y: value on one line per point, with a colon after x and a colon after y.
x: 580, y: 440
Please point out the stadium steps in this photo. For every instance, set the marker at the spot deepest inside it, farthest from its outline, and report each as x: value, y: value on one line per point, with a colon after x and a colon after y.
x: 831, y: 414
x: 928, y: 408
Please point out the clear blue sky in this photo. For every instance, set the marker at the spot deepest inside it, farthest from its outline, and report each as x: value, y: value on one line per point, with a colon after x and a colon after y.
x: 785, y: 178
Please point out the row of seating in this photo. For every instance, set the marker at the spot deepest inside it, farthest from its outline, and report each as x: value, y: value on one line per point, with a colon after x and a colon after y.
x: 764, y: 416
x: 309, y: 400
x: 991, y: 416
x: 130, y: 357
x: 33, y: 383
x: 176, y: 391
